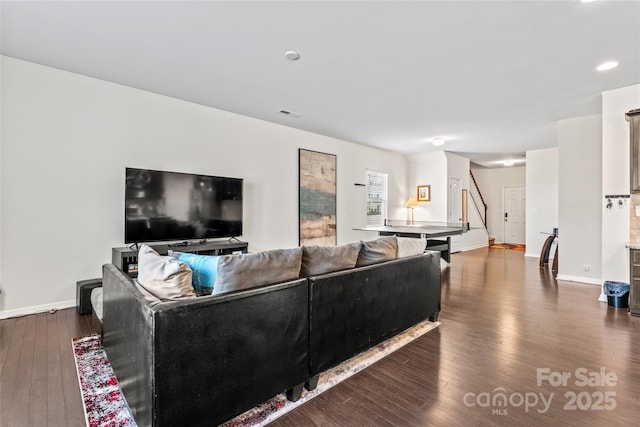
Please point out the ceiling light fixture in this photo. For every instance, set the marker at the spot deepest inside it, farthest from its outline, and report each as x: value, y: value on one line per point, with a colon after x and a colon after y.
x: 586, y: 1
x: 292, y: 55
x: 508, y: 162
x: 607, y: 66
x: 438, y: 141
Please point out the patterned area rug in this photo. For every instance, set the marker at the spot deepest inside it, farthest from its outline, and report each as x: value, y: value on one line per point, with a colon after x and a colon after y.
x: 514, y: 246
x: 105, y: 405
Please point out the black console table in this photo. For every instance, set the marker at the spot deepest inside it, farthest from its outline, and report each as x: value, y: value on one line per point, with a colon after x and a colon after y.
x: 126, y: 258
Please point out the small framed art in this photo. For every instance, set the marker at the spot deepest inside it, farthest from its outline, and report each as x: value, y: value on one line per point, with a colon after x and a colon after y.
x: 424, y: 193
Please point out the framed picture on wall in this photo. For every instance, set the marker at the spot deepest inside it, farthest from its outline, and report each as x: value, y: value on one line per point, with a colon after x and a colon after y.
x: 424, y: 193
x: 317, y: 198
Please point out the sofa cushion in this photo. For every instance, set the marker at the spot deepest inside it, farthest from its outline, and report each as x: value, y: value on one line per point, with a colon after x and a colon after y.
x: 245, y: 271
x: 96, y: 302
x: 163, y: 276
x: 204, y: 268
x: 375, y: 251
x: 317, y: 260
x: 410, y: 246
x: 149, y: 298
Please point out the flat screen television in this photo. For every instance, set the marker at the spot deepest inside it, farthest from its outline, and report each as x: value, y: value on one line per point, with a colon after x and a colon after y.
x: 165, y: 206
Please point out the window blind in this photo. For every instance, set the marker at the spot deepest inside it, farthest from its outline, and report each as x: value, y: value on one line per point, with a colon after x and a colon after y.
x: 376, y: 198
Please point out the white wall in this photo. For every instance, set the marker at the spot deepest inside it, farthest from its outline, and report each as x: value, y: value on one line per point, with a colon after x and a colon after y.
x: 1, y: 138
x: 458, y: 167
x: 491, y: 183
x: 429, y: 169
x: 615, y: 180
x: 580, y: 199
x: 477, y: 236
x: 542, y: 198
x: 66, y: 140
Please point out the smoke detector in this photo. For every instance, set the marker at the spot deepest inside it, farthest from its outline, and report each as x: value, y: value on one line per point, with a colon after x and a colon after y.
x: 292, y: 55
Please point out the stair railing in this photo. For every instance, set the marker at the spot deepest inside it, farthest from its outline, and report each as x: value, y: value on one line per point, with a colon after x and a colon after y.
x: 475, y: 183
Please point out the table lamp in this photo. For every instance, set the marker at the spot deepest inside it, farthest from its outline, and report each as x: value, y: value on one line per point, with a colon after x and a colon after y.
x: 411, y: 204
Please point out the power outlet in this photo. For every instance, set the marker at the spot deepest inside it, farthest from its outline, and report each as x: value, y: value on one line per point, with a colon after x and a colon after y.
x: 586, y: 267
x: 638, y: 210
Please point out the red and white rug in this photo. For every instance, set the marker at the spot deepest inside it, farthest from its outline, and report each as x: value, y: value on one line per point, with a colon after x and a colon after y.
x: 105, y: 405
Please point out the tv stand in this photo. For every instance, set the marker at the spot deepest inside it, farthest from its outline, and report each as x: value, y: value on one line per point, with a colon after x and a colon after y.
x: 199, y: 242
x: 179, y: 244
x: 126, y: 258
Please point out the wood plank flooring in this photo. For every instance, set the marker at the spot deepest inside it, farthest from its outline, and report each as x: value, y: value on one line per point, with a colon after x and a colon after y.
x: 502, y: 317
x: 38, y: 383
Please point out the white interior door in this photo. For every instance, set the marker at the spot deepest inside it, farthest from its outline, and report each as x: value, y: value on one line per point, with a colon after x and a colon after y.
x: 455, y: 201
x: 514, y: 216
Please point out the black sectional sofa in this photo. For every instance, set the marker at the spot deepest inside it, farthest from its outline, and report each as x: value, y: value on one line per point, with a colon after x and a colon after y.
x: 201, y: 361
x: 351, y: 311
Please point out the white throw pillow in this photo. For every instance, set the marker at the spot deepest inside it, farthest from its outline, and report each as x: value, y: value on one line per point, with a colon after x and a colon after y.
x: 410, y: 246
x: 163, y: 276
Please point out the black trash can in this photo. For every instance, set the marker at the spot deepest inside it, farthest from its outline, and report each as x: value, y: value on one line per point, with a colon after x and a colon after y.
x: 617, y: 294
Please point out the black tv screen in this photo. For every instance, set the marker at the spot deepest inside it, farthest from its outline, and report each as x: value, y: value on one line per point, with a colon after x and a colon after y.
x: 163, y: 206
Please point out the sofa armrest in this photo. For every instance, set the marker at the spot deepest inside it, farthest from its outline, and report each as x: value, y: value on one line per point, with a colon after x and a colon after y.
x: 128, y: 332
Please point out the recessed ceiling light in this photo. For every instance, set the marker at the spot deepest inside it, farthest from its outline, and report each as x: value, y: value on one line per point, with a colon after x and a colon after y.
x: 292, y: 55
x: 607, y: 65
x: 438, y: 141
x: 508, y: 162
x: 586, y: 1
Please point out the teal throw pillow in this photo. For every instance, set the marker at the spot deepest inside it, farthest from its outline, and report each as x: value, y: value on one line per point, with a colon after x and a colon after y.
x: 204, y: 268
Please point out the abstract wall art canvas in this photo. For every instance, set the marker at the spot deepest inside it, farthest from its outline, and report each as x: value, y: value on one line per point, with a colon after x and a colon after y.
x: 317, y: 198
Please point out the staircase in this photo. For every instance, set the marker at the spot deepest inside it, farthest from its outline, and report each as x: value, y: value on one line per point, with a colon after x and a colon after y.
x: 478, y: 200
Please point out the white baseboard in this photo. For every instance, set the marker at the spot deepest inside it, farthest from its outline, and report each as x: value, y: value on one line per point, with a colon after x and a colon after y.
x: 537, y: 255
x: 6, y: 314
x: 469, y: 248
x: 580, y: 279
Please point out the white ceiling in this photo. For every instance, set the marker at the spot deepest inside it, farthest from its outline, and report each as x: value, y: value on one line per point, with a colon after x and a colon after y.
x: 492, y: 77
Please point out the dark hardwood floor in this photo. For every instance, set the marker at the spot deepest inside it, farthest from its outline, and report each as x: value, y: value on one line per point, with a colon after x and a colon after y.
x: 503, y: 319
x: 38, y: 382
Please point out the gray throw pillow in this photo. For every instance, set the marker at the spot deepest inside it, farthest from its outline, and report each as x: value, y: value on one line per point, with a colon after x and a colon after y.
x: 317, y: 260
x: 410, y: 246
x: 163, y: 276
x: 375, y: 251
x: 246, y: 271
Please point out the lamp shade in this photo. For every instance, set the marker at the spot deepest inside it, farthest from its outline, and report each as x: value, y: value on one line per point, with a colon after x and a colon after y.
x: 412, y: 202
